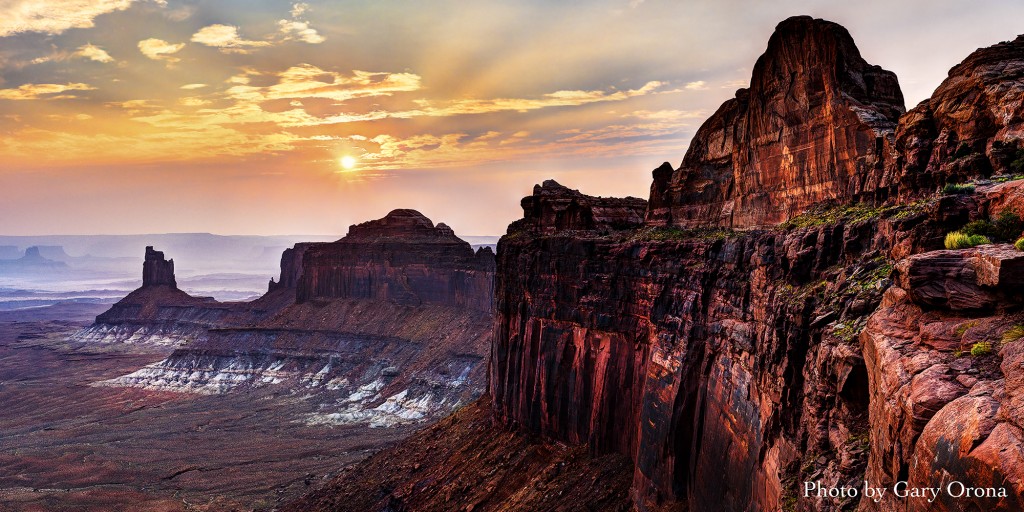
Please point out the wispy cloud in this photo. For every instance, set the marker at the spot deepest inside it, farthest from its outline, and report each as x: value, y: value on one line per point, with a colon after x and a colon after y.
x: 53, y: 16
x: 699, y: 85
x: 39, y: 91
x: 158, y: 49
x: 299, y: 8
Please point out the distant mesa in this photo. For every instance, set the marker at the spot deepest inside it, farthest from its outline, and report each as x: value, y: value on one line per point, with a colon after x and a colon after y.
x: 53, y: 252
x: 402, y: 258
x: 31, y: 260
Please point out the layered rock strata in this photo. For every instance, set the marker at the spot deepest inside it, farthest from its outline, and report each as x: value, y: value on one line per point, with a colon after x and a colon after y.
x: 389, y: 325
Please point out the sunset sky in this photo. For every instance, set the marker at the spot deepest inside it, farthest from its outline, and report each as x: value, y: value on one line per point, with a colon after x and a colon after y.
x: 261, y: 117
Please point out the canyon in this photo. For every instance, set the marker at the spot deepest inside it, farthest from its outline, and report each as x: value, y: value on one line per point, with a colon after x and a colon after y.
x: 781, y: 310
x: 357, y: 343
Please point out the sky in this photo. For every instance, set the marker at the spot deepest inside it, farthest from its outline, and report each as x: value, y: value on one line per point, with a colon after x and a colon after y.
x: 274, y: 117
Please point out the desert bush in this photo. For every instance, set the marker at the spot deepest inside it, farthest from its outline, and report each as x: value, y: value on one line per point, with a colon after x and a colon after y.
x: 958, y: 188
x: 981, y: 348
x: 1007, y: 226
x: 1013, y: 334
x: 979, y: 227
x: 1020, y: 244
x: 961, y: 240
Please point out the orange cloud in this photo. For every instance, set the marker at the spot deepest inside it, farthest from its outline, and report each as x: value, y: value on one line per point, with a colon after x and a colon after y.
x: 226, y: 38
x: 40, y: 91
x: 53, y: 16
x: 158, y: 49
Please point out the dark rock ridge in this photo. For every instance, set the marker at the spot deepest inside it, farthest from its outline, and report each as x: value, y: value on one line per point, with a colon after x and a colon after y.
x: 553, y: 207
x: 815, y: 125
x: 401, y: 258
x: 972, y: 126
x: 388, y: 325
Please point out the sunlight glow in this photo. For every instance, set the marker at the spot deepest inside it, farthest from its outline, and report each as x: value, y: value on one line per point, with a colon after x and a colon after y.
x: 347, y: 162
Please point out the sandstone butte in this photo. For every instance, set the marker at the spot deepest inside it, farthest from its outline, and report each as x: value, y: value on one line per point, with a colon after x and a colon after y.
x: 781, y: 310
x: 399, y: 306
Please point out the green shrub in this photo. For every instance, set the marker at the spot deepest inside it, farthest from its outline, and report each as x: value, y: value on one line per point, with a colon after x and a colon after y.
x: 1008, y: 226
x: 958, y: 188
x: 960, y: 240
x: 981, y: 348
x: 1020, y: 244
x: 1013, y: 334
x: 1005, y: 228
x: 979, y: 227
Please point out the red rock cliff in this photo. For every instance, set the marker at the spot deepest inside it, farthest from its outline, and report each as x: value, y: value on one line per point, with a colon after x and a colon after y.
x: 815, y: 125
x: 972, y: 126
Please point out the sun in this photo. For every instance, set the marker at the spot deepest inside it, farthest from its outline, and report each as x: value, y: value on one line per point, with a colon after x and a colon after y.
x: 347, y: 162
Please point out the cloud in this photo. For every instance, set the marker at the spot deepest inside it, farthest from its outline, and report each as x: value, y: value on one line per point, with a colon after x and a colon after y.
x: 308, y: 81
x: 158, y: 49
x: 299, y: 8
x: 192, y: 101
x: 41, y: 91
x: 699, y: 85
x: 193, y: 86
x: 226, y: 38
x: 53, y: 16
x: 93, y: 52
x: 299, y: 30
x: 565, y: 98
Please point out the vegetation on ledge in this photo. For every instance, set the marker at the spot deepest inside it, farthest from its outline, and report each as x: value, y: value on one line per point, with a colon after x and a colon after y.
x: 961, y: 240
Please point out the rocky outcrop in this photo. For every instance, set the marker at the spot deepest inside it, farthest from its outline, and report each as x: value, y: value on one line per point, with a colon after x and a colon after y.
x: 553, y: 207
x: 157, y: 271
x: 402, y: 258
x: 971, y: 127
x: 944, y: 388
x: 815, y: 125
x: 291, y: 267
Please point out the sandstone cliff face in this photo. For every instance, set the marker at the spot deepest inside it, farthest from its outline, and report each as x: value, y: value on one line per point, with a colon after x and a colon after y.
x: 401, y: 258
x: 942, y: 409
x: 815, y: 125
x: 721, y: 362
x: 972, y: 126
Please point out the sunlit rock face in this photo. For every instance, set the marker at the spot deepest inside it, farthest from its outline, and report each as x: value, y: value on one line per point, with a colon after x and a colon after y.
x: 972, y: 126
x: 815, y: 125
x: 818, y: 343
